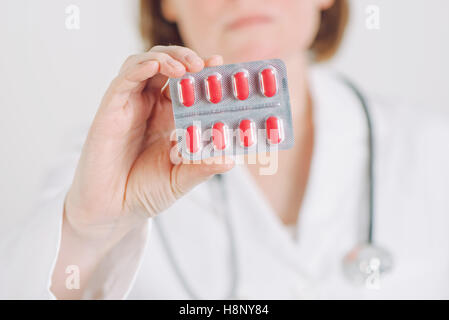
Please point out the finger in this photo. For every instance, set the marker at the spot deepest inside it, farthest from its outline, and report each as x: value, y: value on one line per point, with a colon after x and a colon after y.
x: 139, y: 70
x: 191, y: 61
x: 212, y: 61
x: 167, y: 65
x: 186, y: 56
x: 186, y: 176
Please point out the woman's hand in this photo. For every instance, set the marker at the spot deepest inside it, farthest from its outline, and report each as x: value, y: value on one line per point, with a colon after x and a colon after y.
x: 125, y: 173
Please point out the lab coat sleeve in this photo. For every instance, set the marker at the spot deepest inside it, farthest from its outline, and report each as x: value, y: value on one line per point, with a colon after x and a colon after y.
x: 28, y: 251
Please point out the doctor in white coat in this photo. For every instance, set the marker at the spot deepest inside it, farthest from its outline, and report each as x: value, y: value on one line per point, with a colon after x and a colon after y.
x: 129, y: 223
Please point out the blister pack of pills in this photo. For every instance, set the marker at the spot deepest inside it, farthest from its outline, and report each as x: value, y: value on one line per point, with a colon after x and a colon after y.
x: 232, y: 109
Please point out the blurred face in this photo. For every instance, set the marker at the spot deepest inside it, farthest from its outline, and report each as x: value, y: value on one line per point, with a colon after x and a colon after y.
x: 243, y: 30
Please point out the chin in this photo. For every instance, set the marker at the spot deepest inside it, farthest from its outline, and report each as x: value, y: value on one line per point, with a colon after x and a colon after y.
x: 252, y: 50
x: 256, y: 46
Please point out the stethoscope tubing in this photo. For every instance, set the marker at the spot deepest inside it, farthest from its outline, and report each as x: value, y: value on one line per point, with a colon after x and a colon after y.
x: 371, y: 155
x: 234, y: 271
x: 228, y: 223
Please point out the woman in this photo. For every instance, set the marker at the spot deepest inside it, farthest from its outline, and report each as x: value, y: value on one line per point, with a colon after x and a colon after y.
x: 247, y: 235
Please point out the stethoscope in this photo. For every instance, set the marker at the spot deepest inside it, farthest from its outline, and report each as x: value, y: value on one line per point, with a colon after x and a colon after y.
x: 363, y: 265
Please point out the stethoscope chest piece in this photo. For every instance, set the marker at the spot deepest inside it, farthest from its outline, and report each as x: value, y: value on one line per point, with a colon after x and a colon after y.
x: 366, y: 263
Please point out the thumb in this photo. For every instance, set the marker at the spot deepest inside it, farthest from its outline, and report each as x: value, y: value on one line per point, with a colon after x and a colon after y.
x: 186, y: 176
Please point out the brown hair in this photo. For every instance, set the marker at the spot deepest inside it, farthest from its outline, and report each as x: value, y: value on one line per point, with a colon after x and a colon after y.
x: 156, y: 30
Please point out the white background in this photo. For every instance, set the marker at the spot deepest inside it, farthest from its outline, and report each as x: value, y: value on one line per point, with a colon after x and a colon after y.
x: 52, y: 79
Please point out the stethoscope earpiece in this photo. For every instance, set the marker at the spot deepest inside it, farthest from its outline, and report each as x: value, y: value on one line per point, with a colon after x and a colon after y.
x: 366, y: 263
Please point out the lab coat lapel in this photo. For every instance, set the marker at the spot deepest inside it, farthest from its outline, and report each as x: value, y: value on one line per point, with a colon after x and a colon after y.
x: 269, y: 226
x: 334, y: 205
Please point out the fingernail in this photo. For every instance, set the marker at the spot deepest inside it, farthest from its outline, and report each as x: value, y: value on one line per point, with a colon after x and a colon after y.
x: 175, y: 64
x: 216, y: 57
x: 193, y: 60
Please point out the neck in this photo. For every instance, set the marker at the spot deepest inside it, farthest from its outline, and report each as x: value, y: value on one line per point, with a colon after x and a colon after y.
x: 293, y: 167
x: 297, y: 68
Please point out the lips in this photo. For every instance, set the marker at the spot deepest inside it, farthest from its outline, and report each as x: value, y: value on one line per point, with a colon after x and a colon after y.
x: 249, y: 21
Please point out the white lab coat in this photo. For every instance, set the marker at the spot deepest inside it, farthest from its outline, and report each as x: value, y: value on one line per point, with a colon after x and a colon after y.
x: 412, y: 219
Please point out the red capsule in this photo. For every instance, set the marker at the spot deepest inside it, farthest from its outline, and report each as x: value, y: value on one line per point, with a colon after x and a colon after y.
x: 268, y: 82
x: 193, y: 139
x: 186, y: 90
x: 247, y: 133
x: 213, y: 88
x: 240, y: 84
x: 275, y: 130
x: 220, y: 136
